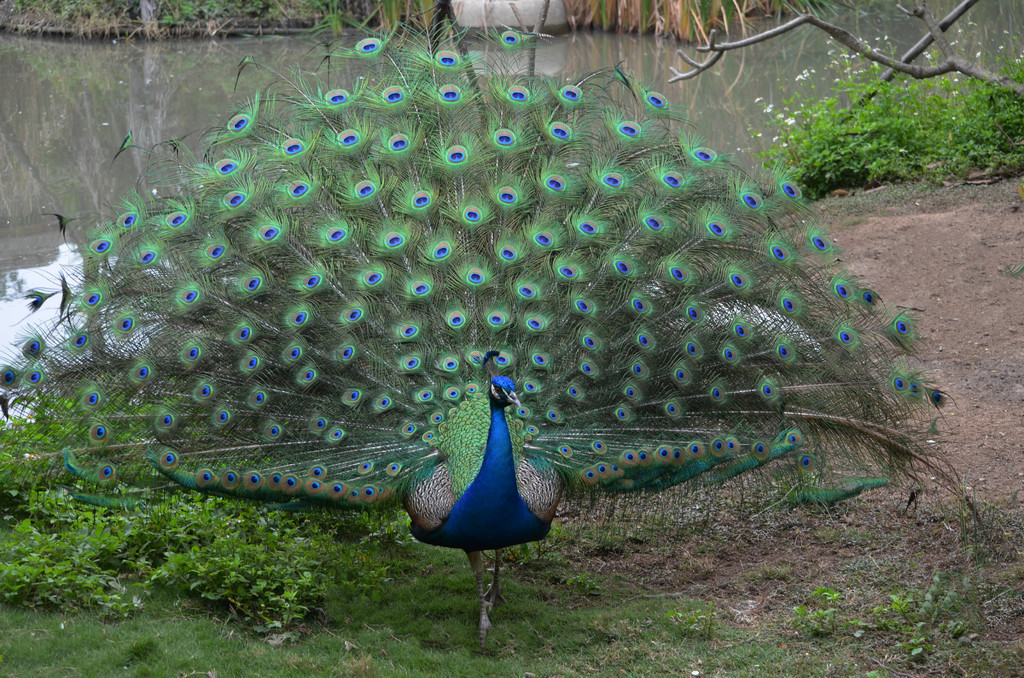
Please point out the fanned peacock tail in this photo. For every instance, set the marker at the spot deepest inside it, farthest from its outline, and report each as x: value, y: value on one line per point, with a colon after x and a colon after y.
x: 304, y: 312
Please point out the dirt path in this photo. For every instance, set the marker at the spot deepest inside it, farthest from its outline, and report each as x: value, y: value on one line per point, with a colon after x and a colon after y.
x: 944, y: 252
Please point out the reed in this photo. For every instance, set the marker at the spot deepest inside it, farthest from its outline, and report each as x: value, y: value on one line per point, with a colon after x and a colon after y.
x: 682, y: 19
x: 391, y: 12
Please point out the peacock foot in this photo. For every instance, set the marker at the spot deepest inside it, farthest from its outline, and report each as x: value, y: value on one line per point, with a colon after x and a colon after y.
x: 493, y: 595
x: 477, y: 563
x: 485, y: 625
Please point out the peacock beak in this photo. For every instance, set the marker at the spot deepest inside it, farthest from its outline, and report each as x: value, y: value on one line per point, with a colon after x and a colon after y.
x: 511, y: 395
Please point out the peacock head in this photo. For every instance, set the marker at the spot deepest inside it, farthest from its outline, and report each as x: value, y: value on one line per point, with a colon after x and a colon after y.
x: 503, y: 389
x: 503, y: 392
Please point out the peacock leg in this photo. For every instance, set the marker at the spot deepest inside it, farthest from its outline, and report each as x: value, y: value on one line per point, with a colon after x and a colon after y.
x: 493, y: 594
x: 476, y: 561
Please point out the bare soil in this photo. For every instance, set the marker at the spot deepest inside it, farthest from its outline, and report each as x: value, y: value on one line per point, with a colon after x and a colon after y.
x: 945, y: 254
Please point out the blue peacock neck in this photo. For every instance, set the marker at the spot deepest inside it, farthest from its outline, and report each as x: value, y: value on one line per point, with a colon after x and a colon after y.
x: 498, y: 470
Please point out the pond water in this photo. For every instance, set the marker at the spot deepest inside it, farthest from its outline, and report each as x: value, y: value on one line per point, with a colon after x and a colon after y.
x: 66, y: 105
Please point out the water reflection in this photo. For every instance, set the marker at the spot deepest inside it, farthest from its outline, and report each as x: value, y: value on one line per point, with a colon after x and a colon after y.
x: 69, y: 104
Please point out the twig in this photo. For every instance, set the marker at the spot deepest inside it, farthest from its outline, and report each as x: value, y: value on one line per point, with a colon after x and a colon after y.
x: 677, y: 594
x: 1008, y: 137
x: 892, y: 670
x: 990, y: 600
x: 718, y: 50
x: 519, y: 17
x: 768, y: 508
x: 542, y: 16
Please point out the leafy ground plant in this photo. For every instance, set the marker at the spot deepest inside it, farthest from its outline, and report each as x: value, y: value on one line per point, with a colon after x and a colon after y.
x: 268, y: 570
x: 867, y: 132
x: 701, y: 622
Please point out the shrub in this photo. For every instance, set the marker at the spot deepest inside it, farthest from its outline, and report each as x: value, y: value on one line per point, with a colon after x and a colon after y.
x: 869, y: 131
x: 268, y: 569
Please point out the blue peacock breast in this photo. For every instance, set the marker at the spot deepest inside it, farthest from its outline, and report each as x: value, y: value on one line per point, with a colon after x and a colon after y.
x: 472, y: 499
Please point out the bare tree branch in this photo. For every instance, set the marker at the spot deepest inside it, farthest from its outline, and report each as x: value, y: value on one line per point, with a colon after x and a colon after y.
x: 519, y: 17
x: 542, y: 16
x: 952, y: 61
x: 718, y: 50
x: 921, y: 45
x: 960, y: 64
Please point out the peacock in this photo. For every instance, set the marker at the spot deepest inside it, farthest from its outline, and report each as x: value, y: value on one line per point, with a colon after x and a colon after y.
x: 412, y: 276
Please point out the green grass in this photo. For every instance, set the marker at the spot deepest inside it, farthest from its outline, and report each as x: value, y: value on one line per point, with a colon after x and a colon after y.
x: 674, y: 584
x: 578, y: 608
x: 422, y: 623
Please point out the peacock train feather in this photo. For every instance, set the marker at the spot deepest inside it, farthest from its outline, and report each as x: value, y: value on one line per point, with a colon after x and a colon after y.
x: 412, y: 279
